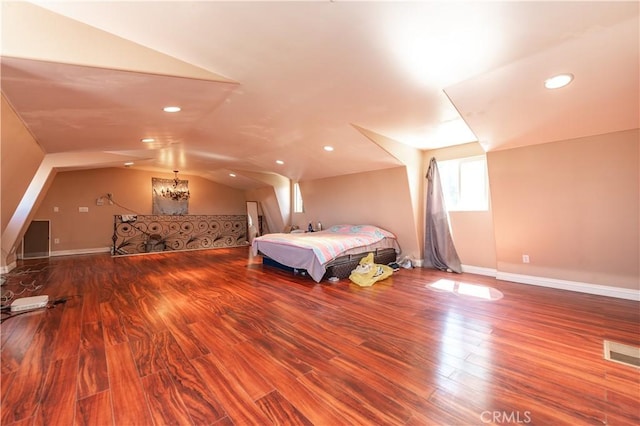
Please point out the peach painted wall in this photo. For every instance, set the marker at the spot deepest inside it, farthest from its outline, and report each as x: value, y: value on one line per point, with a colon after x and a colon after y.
x: 380, y: 198
x: 472, y: 231
x: 572, y: 206
x: 131, y: 189
x: 412, y: 159
x: 18, y: 168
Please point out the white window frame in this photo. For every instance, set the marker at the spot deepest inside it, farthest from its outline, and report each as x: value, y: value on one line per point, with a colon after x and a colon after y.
x: 453, y: 178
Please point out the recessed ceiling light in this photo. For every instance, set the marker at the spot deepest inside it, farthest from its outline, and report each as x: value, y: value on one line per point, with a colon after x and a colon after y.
x: 558, y: 81
x: 279, y: 162
x: 171, y: 109
x: 232, y: 174
x: 147, y: 140
x: 328, y: 148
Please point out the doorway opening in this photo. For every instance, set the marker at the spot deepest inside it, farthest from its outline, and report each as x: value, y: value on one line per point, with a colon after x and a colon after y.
x: 35, y: 243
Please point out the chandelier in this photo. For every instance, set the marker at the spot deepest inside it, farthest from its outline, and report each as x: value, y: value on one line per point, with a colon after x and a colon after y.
x: 176, y: 192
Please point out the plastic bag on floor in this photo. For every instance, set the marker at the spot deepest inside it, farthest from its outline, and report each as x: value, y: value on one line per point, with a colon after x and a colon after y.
x: 367, y: 272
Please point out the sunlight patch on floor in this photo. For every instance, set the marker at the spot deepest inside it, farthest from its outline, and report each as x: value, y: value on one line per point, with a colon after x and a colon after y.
x: 473, y: 291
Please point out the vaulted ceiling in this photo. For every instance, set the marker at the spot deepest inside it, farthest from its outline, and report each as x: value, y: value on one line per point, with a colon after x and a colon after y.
x: 265, y: 81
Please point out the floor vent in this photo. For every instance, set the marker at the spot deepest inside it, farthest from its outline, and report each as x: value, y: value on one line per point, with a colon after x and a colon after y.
x: 622, y: 354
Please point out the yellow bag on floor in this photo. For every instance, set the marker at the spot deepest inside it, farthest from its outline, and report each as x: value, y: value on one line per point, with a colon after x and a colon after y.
x: 367, y: 272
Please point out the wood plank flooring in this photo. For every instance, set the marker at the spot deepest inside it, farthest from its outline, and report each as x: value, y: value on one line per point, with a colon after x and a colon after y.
x: 214, y: 338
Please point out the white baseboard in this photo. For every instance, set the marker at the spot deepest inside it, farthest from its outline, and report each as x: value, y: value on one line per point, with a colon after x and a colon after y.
x: 7, y: 268
x: 489, y: 272
x: 80, y: 251
x: 601, y: 290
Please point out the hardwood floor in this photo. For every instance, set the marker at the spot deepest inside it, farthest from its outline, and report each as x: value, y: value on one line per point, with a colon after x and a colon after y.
x: 213, y: 337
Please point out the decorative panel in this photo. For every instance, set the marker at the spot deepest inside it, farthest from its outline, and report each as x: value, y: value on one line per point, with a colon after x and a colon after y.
x: 133, y: 234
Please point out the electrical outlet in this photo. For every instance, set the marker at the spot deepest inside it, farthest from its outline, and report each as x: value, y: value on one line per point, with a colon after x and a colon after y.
x: 56, y: 241
x: 56, y: 209
x: 525, y: 258
x: 83, y: 209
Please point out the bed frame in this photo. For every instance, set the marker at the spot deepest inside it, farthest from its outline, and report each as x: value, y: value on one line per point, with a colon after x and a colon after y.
x: 342, y: 266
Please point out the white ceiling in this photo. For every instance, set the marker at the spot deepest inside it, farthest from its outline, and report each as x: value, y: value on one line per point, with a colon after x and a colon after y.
x: 266, y: 81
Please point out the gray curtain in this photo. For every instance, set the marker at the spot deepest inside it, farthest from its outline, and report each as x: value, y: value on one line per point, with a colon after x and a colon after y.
x: 439, y: 251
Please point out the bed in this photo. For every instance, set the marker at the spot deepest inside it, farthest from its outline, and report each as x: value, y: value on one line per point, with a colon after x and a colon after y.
x: 332, y: 252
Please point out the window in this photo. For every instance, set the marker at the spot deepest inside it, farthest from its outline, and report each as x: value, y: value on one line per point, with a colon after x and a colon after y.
x: 464, y: 183
x: 298, y: 206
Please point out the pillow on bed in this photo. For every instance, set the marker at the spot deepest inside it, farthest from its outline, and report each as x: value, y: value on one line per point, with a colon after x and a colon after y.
x: 340, y: 229
x: 361, y: 229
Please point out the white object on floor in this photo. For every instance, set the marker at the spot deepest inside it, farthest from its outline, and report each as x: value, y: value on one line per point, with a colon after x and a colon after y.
x: 29, y: 303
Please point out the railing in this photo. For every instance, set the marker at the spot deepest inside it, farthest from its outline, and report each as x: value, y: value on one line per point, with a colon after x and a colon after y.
x: 134, y: 234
